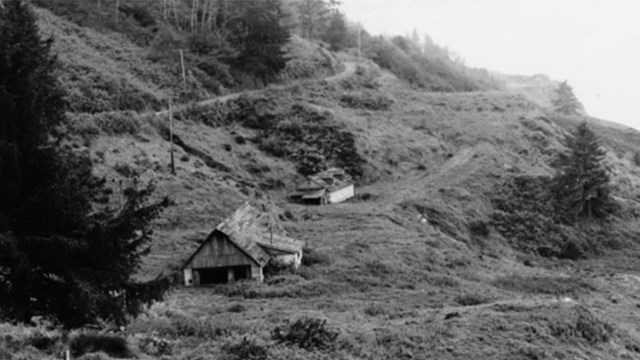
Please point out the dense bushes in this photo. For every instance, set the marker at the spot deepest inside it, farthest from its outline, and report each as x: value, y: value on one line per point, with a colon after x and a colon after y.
x: 113, y: 345
x: 524, y: 215
x: 314, y: 140
x: 307, y: 333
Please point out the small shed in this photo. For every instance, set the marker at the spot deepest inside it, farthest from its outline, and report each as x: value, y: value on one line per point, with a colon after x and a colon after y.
x: 328, y: 187
x: 238, y: 249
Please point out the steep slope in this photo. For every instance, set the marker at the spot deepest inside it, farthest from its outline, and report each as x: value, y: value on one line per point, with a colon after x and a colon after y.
x: 409, y: 269
x: 402, y: 272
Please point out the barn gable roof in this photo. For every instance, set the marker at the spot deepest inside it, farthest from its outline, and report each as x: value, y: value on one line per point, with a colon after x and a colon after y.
x: 242, y: 228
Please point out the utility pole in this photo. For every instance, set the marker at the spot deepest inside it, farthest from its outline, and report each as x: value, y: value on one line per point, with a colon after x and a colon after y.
x: 173, y: 164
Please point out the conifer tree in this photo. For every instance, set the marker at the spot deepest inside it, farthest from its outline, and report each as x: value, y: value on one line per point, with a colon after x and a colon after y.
x: 337, y: 34
x: 313, y: 15
x: 566, y: 102
x: 260, y: 38
x: 581, y: 186
x: 60, y: 256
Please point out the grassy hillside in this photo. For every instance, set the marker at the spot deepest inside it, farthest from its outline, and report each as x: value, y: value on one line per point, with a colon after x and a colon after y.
x: 410, y: 269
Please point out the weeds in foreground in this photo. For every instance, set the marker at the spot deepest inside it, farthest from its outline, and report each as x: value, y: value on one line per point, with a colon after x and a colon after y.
x: 112, y: 345
x: 307, y: 333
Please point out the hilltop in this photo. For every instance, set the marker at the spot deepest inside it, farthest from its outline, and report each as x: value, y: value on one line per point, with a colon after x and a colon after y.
x: 412, y: 268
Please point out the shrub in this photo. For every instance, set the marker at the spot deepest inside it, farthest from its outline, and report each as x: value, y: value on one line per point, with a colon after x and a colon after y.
x: 247, y: 350
x: 239, y: 139
x: 366, y: 100
x: 237, y: 308
x: 307, y: 333
x: 113, y: 345
x: 311, y: 257
x: 312, y: 139
x: 582, y: 324
x: 155, y: 346
x: 479, y: 228
x: 636, y: 158
x: 471, y: 299
x: 277, y: 267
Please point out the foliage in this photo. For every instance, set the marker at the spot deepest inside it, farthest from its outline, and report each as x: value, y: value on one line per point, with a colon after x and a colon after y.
x: 113, y: 345
x: 312, y: 15
x: 337, y: 33
x: 636, y: 158
x: 471, y: 299
x: 314, y: 140
x: 248, y: 349
x: 260, y: 38
x: 566, y: 102
x: 277, y: 267
x: 58, y: 257
x: 311, y: 257
x: 479, y: 228
x: 582, y: 325
x: 366, y: 100
x: 525, y: 215
x: 307, y: 333
x: 306, y: 60
x: 581, y: 187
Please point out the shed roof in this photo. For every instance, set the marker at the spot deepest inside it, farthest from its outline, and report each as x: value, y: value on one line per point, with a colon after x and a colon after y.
x: 243, y: 228
x: 331, y: 179
x: 281, y: 243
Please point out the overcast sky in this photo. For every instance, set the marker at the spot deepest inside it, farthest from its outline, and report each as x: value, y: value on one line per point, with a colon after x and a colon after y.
x: 594, y: 44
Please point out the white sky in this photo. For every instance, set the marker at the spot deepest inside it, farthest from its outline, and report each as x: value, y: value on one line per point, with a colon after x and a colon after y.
x: 594, y: 44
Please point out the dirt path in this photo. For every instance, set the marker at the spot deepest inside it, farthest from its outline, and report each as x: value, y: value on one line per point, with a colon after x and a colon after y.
x: 349, y: 70
x: 393, y: 192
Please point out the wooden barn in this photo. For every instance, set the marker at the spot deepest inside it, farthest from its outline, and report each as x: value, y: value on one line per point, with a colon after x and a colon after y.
x: 328, y: 187
x: 238, y: 249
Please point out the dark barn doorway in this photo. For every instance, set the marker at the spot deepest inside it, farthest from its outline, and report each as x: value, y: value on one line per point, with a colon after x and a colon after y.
x: 223, y: 275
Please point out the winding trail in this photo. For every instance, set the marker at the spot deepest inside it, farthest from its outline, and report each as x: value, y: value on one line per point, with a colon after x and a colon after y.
x: 349, y: 70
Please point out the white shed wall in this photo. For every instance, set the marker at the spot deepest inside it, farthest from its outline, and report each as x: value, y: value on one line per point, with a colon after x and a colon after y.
x: 342, y: 194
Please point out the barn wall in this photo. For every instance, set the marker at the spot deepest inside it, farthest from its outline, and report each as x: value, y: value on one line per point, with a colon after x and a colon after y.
x: 256, y: 273
x: 218, y: 251
x: 342, y: 194
x: 291, y: 259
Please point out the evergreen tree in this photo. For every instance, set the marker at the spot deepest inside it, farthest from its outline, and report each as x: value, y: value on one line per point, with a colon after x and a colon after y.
x: 313, y: 15
x: 566, y: 102
x: 260, y: 39
x: 581, y: 185
x: 337, y: 34
x: 59, y: 255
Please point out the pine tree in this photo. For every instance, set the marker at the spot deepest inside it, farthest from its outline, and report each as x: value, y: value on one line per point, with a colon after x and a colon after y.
x: 59, y: 255
x: 313, y: 16
x: 566, y: 102
x: 260, y: 39
x: 581, y: 186
x: 337, y: 34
